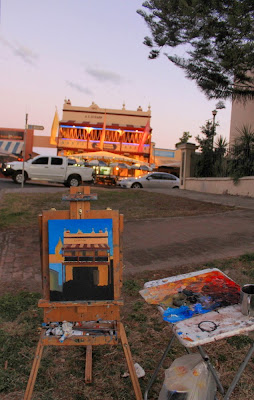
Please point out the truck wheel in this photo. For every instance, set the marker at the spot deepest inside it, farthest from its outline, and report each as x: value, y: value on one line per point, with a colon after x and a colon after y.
x: 17, y: 177
x: 136, y: 185
x: 74, y: 180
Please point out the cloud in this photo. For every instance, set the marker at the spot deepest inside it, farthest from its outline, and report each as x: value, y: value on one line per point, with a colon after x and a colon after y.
x: 79, y: 88
x: 104, y: 76
x: 26, y: 54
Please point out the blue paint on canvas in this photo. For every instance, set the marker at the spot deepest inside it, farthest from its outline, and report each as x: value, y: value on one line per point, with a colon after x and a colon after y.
x: 56, y: 229
x: 58, y: 267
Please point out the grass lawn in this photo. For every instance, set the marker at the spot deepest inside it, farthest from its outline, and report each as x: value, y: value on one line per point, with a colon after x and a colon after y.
x: 21, y: 210
x: 61, y: 375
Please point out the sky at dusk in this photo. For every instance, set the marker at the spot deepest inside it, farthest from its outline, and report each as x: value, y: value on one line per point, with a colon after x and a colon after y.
x: 92, y: 51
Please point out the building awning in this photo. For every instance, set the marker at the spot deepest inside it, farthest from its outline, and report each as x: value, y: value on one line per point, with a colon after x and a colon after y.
x: 106, y: 155
x: 8, y: 147
x: 175, y: 164
x: 86, y: 246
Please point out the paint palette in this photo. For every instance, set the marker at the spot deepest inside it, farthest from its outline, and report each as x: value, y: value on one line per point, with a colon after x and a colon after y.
x: 184, y: 296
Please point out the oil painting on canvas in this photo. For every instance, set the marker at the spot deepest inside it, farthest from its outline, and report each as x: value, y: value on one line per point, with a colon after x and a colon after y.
x: 81, y: 259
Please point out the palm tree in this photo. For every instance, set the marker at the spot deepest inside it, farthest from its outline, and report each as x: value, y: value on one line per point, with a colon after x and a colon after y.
x: 242, y: 153
x: 220, y: 167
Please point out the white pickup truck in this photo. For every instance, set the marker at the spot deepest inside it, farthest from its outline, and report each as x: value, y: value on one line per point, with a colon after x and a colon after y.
x: 50, y: 168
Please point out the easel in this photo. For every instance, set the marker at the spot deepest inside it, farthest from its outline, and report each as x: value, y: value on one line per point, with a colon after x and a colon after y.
x: 87, y: 312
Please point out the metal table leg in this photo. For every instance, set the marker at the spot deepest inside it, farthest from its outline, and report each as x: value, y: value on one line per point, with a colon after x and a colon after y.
x: 207, y: 361
x: 239, y: 373
x: 209, y: 365
x: 152, y: 379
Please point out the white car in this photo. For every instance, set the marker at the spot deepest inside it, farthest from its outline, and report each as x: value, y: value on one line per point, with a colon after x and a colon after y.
x: 152, y: 180
x: 50, y: 168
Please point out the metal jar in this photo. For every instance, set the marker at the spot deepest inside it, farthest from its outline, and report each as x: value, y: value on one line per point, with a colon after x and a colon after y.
x: 247, y: 300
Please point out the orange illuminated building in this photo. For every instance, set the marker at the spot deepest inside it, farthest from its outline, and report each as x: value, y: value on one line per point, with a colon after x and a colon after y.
x: 90, y: 129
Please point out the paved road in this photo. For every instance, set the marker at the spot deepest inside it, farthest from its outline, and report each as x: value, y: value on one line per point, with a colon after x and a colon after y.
x: 149, y: 244
x: 8, y: 184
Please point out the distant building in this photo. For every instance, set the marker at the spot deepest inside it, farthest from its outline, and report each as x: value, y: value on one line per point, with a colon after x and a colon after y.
x: 167, y: 160
x: 12, y: 142
x: 241, y: 114
x: 89, y: 129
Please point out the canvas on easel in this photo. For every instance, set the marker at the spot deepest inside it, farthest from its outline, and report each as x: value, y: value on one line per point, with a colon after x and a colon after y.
x: 81, y: 259
x: 81, y: 255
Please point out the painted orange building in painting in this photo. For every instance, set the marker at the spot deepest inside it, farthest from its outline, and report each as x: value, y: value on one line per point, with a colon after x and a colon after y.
x: 82, y: 250
x: 87, y: 250
x: 89, y: 129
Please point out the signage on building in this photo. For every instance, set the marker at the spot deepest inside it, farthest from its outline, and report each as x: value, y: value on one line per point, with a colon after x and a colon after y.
x: 36, y: 127
x: 106, y: 146
x: 11, y: 134
x: 164, y: 153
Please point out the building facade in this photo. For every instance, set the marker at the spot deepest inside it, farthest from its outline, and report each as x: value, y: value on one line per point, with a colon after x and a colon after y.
x: 12, y: 142
x: 90, y: 129
x: 241, y: 114
x: 167, y: 160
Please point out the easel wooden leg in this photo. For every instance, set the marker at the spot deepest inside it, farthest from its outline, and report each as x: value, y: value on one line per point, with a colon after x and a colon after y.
x: 34, y: 371
x: 88, y: 371
x: 128, y: 356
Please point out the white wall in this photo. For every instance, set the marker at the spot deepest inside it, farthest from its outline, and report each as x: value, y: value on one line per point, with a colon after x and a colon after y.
x: 45, y: 151
x: 244, y: 187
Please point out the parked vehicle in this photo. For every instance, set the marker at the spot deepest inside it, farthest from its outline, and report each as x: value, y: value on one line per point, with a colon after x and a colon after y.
x: 49, y: 168
x: 152, y: 180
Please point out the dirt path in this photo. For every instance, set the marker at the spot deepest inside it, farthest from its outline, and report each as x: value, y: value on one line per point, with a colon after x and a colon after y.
x: 167, y: 243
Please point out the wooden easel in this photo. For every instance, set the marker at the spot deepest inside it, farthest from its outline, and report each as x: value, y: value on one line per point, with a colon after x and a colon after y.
x: 84, y: 311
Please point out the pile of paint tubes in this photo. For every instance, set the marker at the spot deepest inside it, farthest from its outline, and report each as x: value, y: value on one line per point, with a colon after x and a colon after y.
x: 66, y: 329
x: 63, y: 329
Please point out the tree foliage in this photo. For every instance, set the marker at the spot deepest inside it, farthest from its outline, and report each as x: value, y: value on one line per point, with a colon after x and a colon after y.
x: 204, y: 167
x: 184, y: 138
x: 242, y: 154
x: 220, y: 162
x: 217, y: 38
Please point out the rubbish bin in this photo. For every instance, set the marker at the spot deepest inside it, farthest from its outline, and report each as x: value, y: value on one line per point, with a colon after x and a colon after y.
x: 188, y: 378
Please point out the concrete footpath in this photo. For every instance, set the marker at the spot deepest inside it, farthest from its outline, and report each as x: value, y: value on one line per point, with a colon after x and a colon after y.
x: 148, y: 244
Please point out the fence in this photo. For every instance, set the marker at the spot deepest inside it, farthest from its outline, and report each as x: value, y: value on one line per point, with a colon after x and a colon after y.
x: 233, y: 162
x: 220, y: 185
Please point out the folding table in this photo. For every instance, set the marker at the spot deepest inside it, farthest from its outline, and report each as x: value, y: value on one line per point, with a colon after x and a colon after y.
x: 201, y: 329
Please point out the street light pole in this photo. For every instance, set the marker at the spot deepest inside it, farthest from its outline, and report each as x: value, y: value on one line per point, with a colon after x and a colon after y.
x: 24, y: 153
x: 214, y: 112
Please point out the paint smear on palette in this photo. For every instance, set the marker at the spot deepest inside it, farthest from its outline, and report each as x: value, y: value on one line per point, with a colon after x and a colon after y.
x: 212, y: 289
